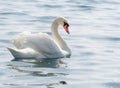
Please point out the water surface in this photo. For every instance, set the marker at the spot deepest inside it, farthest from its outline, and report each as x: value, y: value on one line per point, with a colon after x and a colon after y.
x: 94, y: 41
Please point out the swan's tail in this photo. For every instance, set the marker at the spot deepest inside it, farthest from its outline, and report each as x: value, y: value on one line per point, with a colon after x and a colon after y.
x: 12, y: 51
x: 21, y: 54
x: 16, y: 53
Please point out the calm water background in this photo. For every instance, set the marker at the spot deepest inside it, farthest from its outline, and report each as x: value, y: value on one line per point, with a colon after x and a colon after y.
x: 94, y: 41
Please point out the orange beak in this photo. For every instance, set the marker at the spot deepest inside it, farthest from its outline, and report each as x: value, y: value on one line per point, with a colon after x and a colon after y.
x: 66, y: 29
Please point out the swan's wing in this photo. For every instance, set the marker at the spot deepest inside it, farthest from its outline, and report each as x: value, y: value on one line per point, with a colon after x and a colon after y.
x: 43, y: 44
x: 19, y: 40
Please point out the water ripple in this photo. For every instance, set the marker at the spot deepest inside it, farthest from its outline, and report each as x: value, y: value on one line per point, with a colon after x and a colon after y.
x: 94, y: 41
x: 112, y: 84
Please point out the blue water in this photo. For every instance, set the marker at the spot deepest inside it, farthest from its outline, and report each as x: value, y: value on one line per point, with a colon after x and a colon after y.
x: 94, y: 41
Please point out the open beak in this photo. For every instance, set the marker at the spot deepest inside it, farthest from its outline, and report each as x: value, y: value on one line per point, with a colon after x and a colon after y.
x: 66, y: 29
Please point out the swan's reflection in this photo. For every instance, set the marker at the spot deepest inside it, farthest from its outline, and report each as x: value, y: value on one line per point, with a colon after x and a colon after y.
x: 39, y: 68
x: 30, y: 69
x: 50, y: 63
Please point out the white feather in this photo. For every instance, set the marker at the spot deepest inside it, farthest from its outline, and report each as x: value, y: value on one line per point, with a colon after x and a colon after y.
x: 40, y: 45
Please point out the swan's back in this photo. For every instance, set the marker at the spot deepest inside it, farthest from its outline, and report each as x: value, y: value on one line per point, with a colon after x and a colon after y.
x: 42, y: 43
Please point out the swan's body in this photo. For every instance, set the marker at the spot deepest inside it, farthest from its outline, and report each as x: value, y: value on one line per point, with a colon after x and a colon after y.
x: 41, y: 45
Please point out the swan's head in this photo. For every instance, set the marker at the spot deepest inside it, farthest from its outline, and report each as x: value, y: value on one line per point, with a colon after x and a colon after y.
x: 63, y: 21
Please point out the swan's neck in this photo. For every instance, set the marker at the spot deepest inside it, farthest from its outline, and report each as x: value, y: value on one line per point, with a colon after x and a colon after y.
x: 58, y: 39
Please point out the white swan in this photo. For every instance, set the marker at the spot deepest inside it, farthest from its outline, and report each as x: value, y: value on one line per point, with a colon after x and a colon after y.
x: 41, y: 45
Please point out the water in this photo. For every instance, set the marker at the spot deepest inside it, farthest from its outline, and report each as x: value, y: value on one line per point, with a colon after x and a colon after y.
x: 94, y: 41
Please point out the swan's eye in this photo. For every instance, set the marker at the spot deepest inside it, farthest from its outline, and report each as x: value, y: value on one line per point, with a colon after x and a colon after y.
x: 66, y: 24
